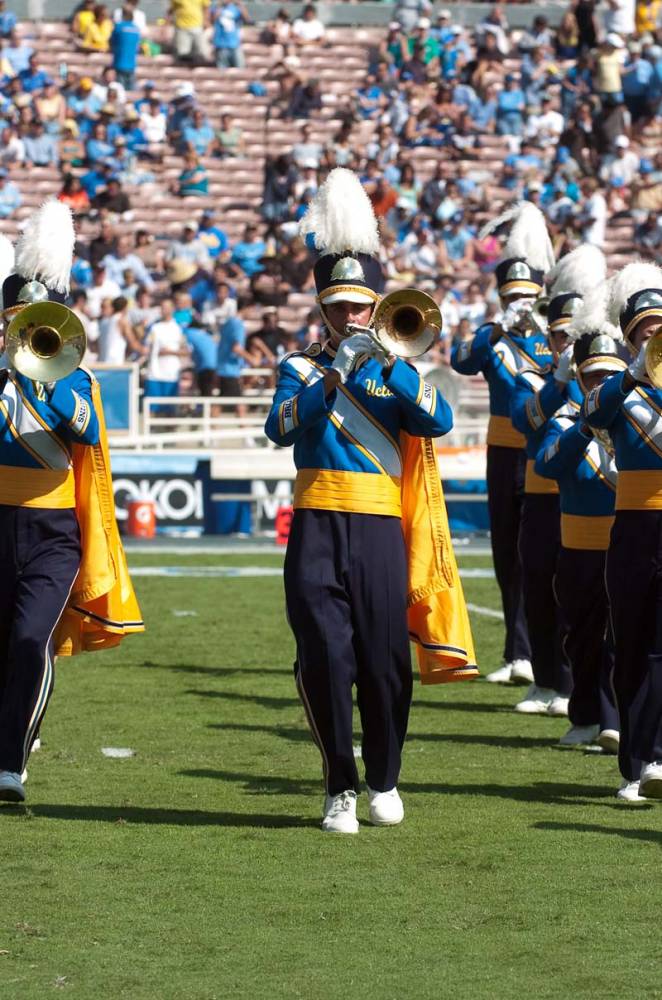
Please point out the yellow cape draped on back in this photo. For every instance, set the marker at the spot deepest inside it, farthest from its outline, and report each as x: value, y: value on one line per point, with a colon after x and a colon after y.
x: 102, y: 608
x: 436, y: 610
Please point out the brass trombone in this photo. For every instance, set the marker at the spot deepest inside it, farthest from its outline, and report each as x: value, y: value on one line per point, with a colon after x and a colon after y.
x: 653, y: 357
x: 45, y: 341
x: 405, y: 323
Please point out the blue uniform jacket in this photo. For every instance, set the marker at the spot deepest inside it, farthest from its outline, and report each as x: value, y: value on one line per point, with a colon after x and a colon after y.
x: 536, y: 400
x: 500, y: 364
x: 37, y: 432
x: 346, y: 445
x: 586, y: 474
x: 634, y: 421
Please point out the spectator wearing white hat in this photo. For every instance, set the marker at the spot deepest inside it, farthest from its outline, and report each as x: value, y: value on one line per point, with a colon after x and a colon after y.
x: 407, y: 12
x: 607, y: 76
x: 622, y: 164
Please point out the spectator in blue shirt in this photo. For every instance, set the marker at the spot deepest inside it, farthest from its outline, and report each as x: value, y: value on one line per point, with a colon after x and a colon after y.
x: 82, y: 103
x: 7, y: 20
x: 214, y: 238
x: 33, y: 80
x: 248, y: 252
x: 198, y: 135
x: 231, y: 357
x: 510, y: 108
x: 228, y: 19
x: 125, y: 46
x: 97, y: 147
x: 204, y: 352
x: 10, y: 196
x: 370, y: 98
x: 457, y: 239
x: 16, y: 53
x: 638, y: 83
x: 41, y: 149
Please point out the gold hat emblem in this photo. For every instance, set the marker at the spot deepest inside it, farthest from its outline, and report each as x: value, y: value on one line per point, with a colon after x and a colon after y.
x: 347, y: 269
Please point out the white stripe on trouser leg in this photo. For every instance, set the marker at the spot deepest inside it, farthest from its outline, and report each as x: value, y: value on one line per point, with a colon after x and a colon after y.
x: 313, y: 728
x: 47, y: 676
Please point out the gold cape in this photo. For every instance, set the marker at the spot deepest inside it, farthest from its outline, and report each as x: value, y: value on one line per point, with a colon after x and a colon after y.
x: 436, y: 610
x: 102, y: 607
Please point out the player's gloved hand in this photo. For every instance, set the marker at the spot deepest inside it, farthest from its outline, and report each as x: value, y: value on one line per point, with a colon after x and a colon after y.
x: 637, y: 368
x: 566, y: 368
x: 349, y: 352
x: 514, y: 318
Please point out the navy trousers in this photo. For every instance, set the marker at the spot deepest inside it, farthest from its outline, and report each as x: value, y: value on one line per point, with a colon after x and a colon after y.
x: 539, y: 545
x: 634, y: 585
x: 505, y: 493
x: 581, y: 594
x: 346, y: 591
x: 39, y: 560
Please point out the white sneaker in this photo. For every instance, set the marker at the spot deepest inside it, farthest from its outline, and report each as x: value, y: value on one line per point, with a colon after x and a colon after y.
x: 36, y: 744
x: 500, y: 676
x: 521, y: 672
x: 629, y: 792
x: 536, y: 701
x: 609, y: 740
x: 559, y: 706
x: 24, y: 776
x: 578, y: 736
x: 650, y: 781
x: 386, y: 808
x: 11, y: 787
x: 340, y: 813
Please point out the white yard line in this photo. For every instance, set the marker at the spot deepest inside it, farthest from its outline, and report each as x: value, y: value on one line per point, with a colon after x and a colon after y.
x: 224, y: 572
x: 486, y: 612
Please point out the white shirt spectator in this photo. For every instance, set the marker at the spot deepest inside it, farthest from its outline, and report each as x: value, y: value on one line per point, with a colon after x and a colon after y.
x: 473, y: 311
x: 111, y: 345
x: 450, y: 313
x: 114, y: 93
x: 215, y: 316
x: 194, y: 251
x: 139, y: 18
x: 153, y: 126
x: 595, y: 209
x: 12, y: 152
x: 165, y: 335
x: 546, y: 126
x: 108, y: 289
x: 307, y: 153
x: 308, y: 31
x: 625, y: 167
x: 618, y: 17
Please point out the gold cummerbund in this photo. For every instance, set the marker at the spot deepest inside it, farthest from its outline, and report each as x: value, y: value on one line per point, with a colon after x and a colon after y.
x: 581, y: 532
x: 500, y: 431
x: 533, y: 483
x: 54, y: 488
x: 354, y: 492
x: 640, y: 490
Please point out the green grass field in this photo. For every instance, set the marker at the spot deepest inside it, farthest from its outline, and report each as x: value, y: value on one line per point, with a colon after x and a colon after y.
x: 196, y: 869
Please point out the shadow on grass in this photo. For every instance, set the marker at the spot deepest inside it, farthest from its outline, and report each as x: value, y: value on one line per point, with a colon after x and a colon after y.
x: 192, y: 668
x: 160, y: 816
x: 651, y: 836
x: 464, y: 739
x: 266, y: 701
x: 462, y: 706
x: 554, y: 793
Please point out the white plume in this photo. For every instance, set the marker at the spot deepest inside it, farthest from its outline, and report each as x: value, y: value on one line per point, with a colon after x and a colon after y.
x: 6, y: 261
x: 591, y: 316
x: 528, y: 237
x: 341, y: 217
x: 625, y: 283
x: 580, y: 271
x: 45, y: 248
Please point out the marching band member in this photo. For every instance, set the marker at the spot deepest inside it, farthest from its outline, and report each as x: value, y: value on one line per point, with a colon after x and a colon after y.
x: 499, y: 351
x: 537, y: 398
x: 344, y: 406
x: 629, y: 407
x: 58, y: 538
x: 583, y: 466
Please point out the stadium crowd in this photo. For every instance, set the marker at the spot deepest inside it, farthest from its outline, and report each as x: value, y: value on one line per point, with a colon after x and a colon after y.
x: 576, y: 105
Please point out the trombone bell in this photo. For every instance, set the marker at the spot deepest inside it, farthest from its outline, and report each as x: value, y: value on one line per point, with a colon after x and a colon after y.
x: 653, y: 357
x: 45, y: 341
x: 407, y: 322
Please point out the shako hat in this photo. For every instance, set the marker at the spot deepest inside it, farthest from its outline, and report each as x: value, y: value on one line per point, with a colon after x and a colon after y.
x: 342, y: 222
x: 527, y: 254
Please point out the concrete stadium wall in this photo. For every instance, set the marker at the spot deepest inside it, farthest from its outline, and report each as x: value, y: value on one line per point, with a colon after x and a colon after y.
x: 365, y: 12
